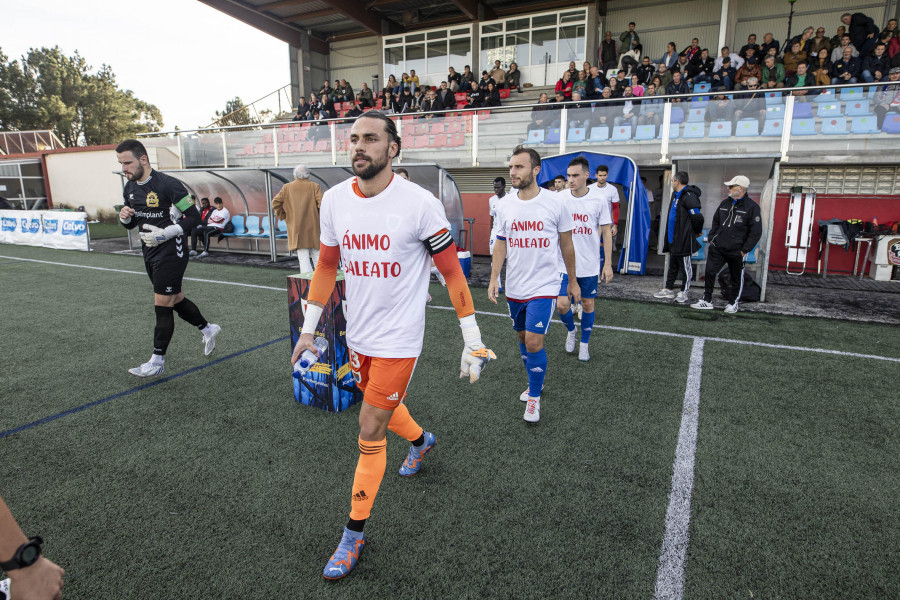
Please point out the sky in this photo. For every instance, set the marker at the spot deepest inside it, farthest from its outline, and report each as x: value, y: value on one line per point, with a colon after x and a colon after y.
x: 181, y: 55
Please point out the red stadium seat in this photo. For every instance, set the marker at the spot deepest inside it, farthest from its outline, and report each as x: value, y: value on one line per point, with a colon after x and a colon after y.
x: 308, y: 146
x: 460, y: 97
x: 438, y: 127
x: 378, y: 104
x: 322, y: 145
x: 421, y: 141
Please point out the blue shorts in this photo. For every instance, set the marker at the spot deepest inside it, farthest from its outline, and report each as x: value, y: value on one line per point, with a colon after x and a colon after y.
x: 588, y: 286
x: 532, y: 315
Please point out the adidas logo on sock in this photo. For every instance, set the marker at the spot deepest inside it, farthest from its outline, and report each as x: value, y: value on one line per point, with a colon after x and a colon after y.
x: 536, y: 370
x: 394, y: 396
x: 541, y: 324
x: 360, y: 496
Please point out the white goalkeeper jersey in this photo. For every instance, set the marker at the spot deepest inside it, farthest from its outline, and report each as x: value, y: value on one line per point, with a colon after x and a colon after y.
x: 531, y: 229
x: 588, y: 213
x: 492, y: 210
x: 386, y: 264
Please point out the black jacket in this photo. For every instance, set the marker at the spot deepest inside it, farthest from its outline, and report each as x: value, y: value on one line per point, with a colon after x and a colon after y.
x: 688, y: 223
x: 736, y: 226
x: 874, y: 63
x: 860, y: 28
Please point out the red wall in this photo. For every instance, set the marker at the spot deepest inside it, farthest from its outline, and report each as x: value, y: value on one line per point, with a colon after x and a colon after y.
x: 830, y: 206
x: 475, y: 206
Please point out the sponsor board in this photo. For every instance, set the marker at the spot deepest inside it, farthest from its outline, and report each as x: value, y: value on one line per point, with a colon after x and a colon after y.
x: 51, y: 229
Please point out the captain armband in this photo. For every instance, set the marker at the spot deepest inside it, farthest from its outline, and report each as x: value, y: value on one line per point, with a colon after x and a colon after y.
x: 438, y: 242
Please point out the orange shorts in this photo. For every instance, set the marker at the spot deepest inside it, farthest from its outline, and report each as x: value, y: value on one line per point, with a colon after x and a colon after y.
x: 383, y: 381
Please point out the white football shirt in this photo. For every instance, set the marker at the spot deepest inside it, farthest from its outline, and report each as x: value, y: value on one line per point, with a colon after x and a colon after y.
x: 492, y: 209
x: 609, y: 192
x: 588, y: 213
x: 386, y: 265
x: 531, y: 229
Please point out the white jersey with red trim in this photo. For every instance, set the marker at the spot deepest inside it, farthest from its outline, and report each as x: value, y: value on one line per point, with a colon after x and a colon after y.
x: 609, y: 192
x: 588, y: 213
x: 386, y: 265
x: 531, y: 229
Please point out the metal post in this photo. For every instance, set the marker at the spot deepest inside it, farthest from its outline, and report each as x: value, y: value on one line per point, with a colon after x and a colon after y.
x: 400, y: 135
x: 180, y: 153
x: 563, y: 129
x: 224, y: 150
x: 272, y: 249
x: 333, y: 143
x: 474, y: 114
x: 276, y: 140
x: 664, y: 134
x: 786, y: 130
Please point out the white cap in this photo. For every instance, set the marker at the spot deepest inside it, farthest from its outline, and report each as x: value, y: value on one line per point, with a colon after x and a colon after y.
x: 739, y: 180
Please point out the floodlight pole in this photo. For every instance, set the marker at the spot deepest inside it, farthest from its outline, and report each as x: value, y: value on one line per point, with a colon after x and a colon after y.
x: 790, y: 20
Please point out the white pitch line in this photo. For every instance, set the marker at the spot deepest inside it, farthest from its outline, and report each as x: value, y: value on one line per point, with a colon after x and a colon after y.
x: 670, y: 574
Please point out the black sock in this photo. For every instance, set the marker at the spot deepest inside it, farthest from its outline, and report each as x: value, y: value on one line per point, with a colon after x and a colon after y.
x: 356, y: 525
x: 188, y: 311
x: 419, y: 440
x: 165, y: 327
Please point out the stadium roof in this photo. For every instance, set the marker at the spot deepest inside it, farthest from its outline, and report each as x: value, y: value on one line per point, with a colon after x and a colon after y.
x: 327, y: 20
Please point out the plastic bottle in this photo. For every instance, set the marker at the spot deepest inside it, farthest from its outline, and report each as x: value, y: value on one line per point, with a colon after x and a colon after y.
x: 308, y: 359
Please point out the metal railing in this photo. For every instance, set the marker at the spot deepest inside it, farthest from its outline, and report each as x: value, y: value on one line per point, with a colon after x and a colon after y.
x: 257, y: 111
x: 23, y: 142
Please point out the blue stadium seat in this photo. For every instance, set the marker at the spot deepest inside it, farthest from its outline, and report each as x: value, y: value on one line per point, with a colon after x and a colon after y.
x: 239, y: 228
x: 699, y: 88
x: 535, y: 136
x: 802, y: 110
x: 773, y: 127
x: 850, y: 94
x: 857, y: 108
x: 576, y: 134
x: 829, y: 109
x: 645, y: 132
x: 775, y: 111
x: 694, y: 130
x: 696, y: 115
x: 599, y: 134
x: 891, y: 123
x: 677, y: 115
x: 253, y: 229
x: 552, y: 136
x: 621, y: 133
x: 864, y: 125
x: 773, y: 98
x: 803, y: 126
x: 747, y: 128
x: 699, y: 102
x: 282, y: 230
x: 720, y: 129
x: 264, y: 226
x: 834, y: 126
x: 826, y: 95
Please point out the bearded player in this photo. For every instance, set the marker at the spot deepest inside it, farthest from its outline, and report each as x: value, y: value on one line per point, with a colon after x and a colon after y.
x: 385, y: 230
x: 163, y: 211
x: 590, y: 214
x: 533, y: 227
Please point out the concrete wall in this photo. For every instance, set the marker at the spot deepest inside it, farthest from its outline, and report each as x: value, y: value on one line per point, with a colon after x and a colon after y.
x: 84, y: 179
x: 355, y: 60
x: 675, y: 21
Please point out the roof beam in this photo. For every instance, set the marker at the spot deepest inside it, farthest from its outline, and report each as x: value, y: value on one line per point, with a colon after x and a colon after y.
x: 281, y: 4
x: 374, y: 3
x: 309, y: 15
x: 254, y: 18
x: 353, y: 11
x: 470, y: 9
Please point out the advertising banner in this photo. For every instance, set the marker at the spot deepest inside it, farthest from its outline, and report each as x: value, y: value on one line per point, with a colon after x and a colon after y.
x: 47, y: 228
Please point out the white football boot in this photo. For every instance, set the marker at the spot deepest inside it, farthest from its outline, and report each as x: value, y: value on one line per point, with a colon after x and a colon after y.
x: 209, y: 339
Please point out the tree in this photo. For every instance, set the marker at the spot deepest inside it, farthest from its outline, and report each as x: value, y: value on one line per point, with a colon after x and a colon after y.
x: 237, y: 113
x: 47, y: 90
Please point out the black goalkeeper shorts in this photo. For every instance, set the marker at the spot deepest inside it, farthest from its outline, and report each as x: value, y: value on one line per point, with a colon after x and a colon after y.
x: 166, y: 274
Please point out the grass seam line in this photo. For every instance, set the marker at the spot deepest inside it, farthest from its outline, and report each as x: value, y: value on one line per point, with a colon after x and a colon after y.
x: 139, y: 388
x: 670, y: 573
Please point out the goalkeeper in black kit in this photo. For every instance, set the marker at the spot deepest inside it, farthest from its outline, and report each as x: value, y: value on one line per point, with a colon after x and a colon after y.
x: 162, y: 210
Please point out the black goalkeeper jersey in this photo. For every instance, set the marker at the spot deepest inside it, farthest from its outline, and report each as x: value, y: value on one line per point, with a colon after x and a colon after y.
x: 161, y: 201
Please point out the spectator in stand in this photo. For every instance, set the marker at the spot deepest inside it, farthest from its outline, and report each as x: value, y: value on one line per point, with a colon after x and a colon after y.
x: 326, y: 107
x: 774, y: 54
x: 701, y: 68
x: 752, y: 56
x: 216, y: 222
x: 670, y: 58
x: 326, y: 89
x: 658, y: 88
x: 454, y: 81
x: 366, y: 100
x: 801, y: 78
x: 314, y: 106
x: 355, y: 111
x: 886, y: 38
x: 651, y: 108
x: 492, y: 97
x: 819, y: 42
x: 573, y: 71
x: 838, y: 51
x: 820, y: 67
x: 891, y: 28
x: 887, y: 98
x: 418, y: 99
x: 862, y: 30
x: 646, y: 71
x: 845, y: 70
x: 345, y: 91
x: 469, y: 79
x: 875, y: 66
x: 751, y: 106
x: 615, y: 89
x: 302, y: 112
x: 405, y: 101
x: 432, y: 103
x: 665, y: 77
x: 608, y: 54
x: 513, y: 78
x: 412, y: 80
x: 604, y: 112
x: 793, y: 58
x: 579, y: 113
x: 629, y: 39
x: 772, y: 74
x: 630, y: 60
x: 447, y: 97
x: 736, y: 61
x: 681, y: 66
x: 598, y: 82
x: 636, y: 88
x: 565, y: 85
x: 894, y: 50
x: 751, y: 44
x: 678, y: 86
x: 483, y: 83
x: 725, y: 77
x: 498, y: 74
x: 582, y: 85
x: 805, y: 39
x: 298, y: 204
x: 476, y: 97
x: 768, y: 42
x: 334, y: 94
x: 393, y: 85
x: 836, y: 38
x: 691, y: 51
x: 621, y: 81
x: 721, y: 109
x: 628, y: 115
x: 540, y: 118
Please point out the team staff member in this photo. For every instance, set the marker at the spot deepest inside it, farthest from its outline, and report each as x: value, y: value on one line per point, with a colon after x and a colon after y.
x: 162, y: 209
x: 683, y: 225
x: 735, y: 231
x: 383, y: 229
x: 493, y: 201
x: 31, y: 576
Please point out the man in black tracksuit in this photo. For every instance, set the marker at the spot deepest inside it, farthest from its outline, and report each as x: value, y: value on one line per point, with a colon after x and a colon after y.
x: 683, y: 225
x: 735, y: 231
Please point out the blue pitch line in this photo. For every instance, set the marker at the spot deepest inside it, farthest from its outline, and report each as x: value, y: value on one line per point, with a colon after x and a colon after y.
x: 78, y: 409
x: 12, y: 262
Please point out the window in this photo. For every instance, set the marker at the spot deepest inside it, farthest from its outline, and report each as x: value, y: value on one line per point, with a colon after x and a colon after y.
x: 460, y: 54
x: 519, y: 43
x: 437, y: 57
x: 415, y: 58
x: 543, y: 21
x: 571, y: 43
x: 543, y: 46
x: 430, y: 59
x: 393, y: 62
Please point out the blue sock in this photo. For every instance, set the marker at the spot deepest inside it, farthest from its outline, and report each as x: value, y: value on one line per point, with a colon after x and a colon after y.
x: 537, y: 369
x: 524, y: 354
x: 587, y: 325
x: 568, y: 319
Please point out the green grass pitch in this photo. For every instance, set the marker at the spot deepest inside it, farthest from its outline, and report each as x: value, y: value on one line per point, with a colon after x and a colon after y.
x: 216, y: 484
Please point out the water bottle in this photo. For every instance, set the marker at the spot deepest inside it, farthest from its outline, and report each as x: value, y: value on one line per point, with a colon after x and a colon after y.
x: 308, y: 359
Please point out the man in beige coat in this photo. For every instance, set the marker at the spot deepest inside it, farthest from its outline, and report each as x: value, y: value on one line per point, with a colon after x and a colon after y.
x: 298, y: 205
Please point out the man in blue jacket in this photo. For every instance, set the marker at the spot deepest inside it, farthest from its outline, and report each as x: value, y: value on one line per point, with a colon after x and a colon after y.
x: 683, y: 226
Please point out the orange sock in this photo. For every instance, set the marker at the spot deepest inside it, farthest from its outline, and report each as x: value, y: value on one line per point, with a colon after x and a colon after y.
x: 403, y: 424
x: 369, y: 472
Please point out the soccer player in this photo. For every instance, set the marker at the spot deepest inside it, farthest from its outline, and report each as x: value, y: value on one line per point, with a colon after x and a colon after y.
x: 559, y: 184
x: 534, y: 226
x: 31, y: 575
x: 163, y: 211
x: 611, y: 194
x: 383, y: 229
x: 499, y: 192
x: 591, y: 217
